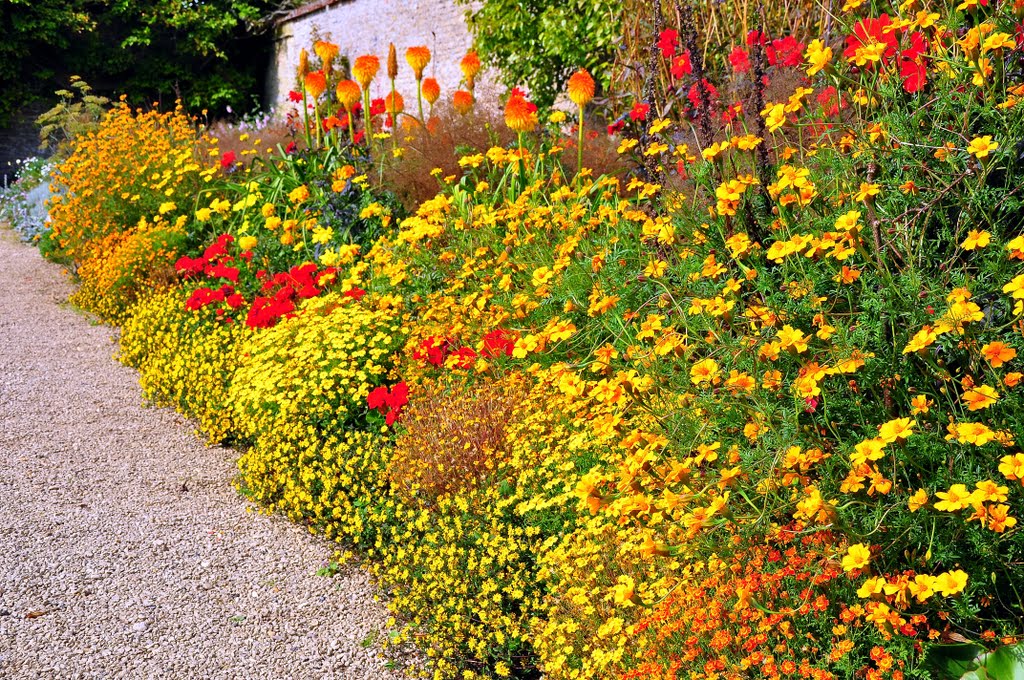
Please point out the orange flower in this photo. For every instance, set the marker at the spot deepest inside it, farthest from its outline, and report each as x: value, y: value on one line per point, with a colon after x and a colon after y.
x: 998, y: 353
x: 470, y: 66
x: 365, y: 69
x: 520, y: 115
x: 327, y: 52
x: 581, y: 88
x: 315, y: 83
x: 462, y: 101
x: 418, y: 58
x: 394, y: 104
x: 431, y: 90
x: 348, y: 93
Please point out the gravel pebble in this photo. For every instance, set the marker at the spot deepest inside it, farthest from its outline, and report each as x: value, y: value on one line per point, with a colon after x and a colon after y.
x: 124, y: 550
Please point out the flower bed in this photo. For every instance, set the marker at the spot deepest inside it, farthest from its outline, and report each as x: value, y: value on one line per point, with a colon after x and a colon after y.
x: 752, y: 410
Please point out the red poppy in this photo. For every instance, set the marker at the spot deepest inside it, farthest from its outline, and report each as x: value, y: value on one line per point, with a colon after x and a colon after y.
x: 667, y: 42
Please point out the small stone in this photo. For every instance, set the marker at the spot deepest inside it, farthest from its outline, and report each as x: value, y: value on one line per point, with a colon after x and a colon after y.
x: 140, y: 627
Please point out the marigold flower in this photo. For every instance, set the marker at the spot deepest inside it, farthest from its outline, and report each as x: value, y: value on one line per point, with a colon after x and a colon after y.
x: 957, y: 498
x: 348, y: 93
x: 950, y: 582
x: 315, y: 83
x: 247, y: 243
x: 857, y: 556
x: 520, y: 115
x: 918, y: 500
x: 418, y: 58
x: 462, y: 101
x: 976, y: 239
x: 981, y: 147
x: 365, y: 69
x: 581, y: 88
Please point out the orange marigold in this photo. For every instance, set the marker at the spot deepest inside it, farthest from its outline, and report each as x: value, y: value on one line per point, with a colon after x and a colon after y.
x: 431, y: 90
x: 348, y: 93
x: 462, y: 101
x: 365, y: 69
x: 581, y: 88
x: 418, y: 58
x: 315, y: 83
x: 520, y: 115
x: 394, y: 104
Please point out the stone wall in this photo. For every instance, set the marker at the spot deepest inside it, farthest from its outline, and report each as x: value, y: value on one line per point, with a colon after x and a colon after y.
x: 367, y: 27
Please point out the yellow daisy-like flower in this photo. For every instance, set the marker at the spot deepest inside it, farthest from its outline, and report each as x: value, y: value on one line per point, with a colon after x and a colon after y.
x: 976, y: 240
x: 857, y: 556
x: 950, y: 582
x: 981, y: 147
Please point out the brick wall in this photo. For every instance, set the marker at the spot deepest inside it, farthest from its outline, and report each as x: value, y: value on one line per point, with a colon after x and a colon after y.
x: 366, y: 27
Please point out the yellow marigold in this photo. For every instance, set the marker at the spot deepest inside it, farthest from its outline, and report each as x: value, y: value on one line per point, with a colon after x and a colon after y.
x: 418, y: 58
x: 348, y: 93
x: 431, y: 90
x: 704, y: 372
x: 857, y: 556
x: 462, y: 101
x: 950, y: 582
x: 980, y: 397
x: 976, y: 239
x: 365, y: 69
x: 981, y: 147
x: 957, y: 498
x: 247, y: 243
x: 315, y: 83
x: 581, y: 88
x: 520, y: 115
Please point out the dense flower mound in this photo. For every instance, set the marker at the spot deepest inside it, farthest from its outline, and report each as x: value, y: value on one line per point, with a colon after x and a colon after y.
x: 751, y: 411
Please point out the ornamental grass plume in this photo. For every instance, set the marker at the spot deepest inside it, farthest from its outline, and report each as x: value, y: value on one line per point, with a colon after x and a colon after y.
x: 470, y: 66
x: 462, y: 101
x: 348, y: 94
x: 581, y: 91
x: 327, y: 52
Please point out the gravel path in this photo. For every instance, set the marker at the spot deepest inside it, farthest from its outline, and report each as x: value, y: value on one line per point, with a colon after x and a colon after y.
x: 124, y: 550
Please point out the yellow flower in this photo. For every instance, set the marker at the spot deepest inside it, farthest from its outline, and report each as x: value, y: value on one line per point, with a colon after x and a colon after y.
x: 920, y: 404
x: 793, y: 338
x: 957, y: 498
x: 896, y: 429
x: 998, y: 353
x: 980, y: 397
x: 774, y: 116
x: 950, y: 582
x: 704, y: 372
x: 298, y: 194
x: 203, y: 214
x: 857, y: 556
x: 873, y: 586
x: 818, y: 56
x: 167, y: 207
x: 918, y: 500
x: 980, y: 147
x: 866, y: 192
x: 247, y: 243
x: 1012, y: 467
x: 976, y: 239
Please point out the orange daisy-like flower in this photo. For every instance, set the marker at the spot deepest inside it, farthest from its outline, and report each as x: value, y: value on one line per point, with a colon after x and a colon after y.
x: 520, y: 115
x: 581, y: 88
x: 315, y: 83
x: 462, y: 101
x: 365, y: 69
x: 326, y: 51
x: 394, y: 104
x: 431, y: 90
x: 418, y: 58
x: 348, y: 93
x: 998, y: 353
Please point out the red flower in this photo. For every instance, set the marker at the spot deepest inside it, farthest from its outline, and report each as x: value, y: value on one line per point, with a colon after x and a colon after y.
x: 399, y: 396
x: 378, y: 399
x: 499, y: 342
x: 667, y: 42
x: 756, y: 37
x: 639, y: 112
x: 681, y: 65
x: 355, y: 293
x: 227, y: 160
x: 377, y: 107
x: 616, y: 126
x: 294, y: 96
x: 912, y: 68
x: 786, y: 51
x: 871, y: 30
x: 290, y: 149
x: 740, y: 60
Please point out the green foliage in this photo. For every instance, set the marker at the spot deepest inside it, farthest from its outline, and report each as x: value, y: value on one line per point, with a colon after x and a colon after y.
x: 540, y: 43
x: 78, y: 111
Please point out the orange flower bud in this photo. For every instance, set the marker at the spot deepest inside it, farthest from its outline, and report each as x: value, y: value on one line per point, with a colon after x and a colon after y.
x: 365, y: 70
x: 470, y: 66
x: 348, y: 93
x: 462, y: 101
x: 392, y: 62
x: 431, y: 90
x: 418, y: 58
x: 303, y: 68
x: 581, y: 88
x: 315, y: 83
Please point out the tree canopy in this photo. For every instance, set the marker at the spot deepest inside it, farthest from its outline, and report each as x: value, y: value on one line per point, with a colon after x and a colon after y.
x: 209, y: 53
